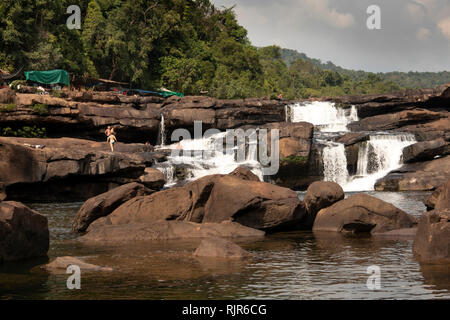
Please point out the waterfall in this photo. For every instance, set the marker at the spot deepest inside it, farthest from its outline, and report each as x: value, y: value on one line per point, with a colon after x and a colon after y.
x: 324, y: 115
x: 162, y: 131
x: 335, y: 163
x: 378, y: 156
x: 206, y: 156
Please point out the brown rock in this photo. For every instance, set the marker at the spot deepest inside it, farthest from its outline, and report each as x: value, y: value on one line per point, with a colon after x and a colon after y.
x: 432, y: 241
x: 418, y: 176
x: 214, y: 247
x: 2, y: 191
x: 214, y: 198
x: 60, y: 265
x: 153, y: 179
x: 68, y: 169
x: 430, y: 202
x: 362, y: 213
x: 167, y: 230
x: 244, y: 173
x: 426, y: 150
x: 320, y: 195
x: 7, y: 95
x: 103, y: 204
x: 23, y: 232
x: 396, y: 120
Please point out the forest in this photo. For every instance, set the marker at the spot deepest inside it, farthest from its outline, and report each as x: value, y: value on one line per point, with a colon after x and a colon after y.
x: 187, y: 46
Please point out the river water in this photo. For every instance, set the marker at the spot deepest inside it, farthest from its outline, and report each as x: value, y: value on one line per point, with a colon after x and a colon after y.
x: 294, y: 265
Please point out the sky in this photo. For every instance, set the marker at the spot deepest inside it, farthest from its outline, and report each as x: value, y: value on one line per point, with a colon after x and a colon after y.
x: 414, y: 34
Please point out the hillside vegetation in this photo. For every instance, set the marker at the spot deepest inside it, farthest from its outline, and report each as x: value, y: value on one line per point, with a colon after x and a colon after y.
x: 187, y: 46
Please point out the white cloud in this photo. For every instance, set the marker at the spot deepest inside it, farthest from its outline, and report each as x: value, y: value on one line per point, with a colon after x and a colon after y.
x: 321, y: 10
x: 444, y: 26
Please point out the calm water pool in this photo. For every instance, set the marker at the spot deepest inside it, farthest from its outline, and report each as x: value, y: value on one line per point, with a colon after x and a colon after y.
x: 295, y: 265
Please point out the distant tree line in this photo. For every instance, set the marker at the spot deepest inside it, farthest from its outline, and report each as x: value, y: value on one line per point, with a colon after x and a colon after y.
x: 187, y: 46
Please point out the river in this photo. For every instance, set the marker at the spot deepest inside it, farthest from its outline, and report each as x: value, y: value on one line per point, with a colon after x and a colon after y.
x: 292, y: 265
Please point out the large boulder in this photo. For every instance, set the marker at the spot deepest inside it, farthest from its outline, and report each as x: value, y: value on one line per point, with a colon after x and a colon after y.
x: 103, y: 204
x: 426, y: 150
x: 68, y: 169
x: 215, y: 198
x: 432, y: 242
x: 320, y: 195
x: 23, y: 232
x: 417, y: 176
x: 214, y: 247
x: 362, y: 213
x: 167, y: 230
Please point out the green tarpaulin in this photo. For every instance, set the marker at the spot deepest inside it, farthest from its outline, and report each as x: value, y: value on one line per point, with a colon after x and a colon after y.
x: 166, y: 94
x: 48, y: 77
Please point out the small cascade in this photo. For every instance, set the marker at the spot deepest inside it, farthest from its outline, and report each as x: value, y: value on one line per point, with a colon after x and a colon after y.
x: 324, y: 115
x: 376, y: 158
x: 201, y: 157
x: 335, y: 163
x: 162, y: 131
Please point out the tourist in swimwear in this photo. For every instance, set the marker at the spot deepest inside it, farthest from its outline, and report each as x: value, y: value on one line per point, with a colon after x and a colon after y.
x: 112, y: 140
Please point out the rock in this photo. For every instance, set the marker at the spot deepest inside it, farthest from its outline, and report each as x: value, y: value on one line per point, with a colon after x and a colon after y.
x: 362, y: 213
x: 351, y: 138
x: 103, y: 204
x: 2, y: 191
x: 418, y: 176
x: 274, y: 215
x: 7, y: 95
x: 153, y: 179
x: 214, y: 247
x: 299, y: 163
x: 215, y: 198
x: 426, y: 150
x: 245, y: 174
x: 60, y: 264
x: 67, y: 169
x: 397, y: 120
x: 406, y: 233
x: 23, y: 232
x: 443, y: 200
x: 320, y: 195
x: 430, y: 202
x: 167, y: 230
x: 432, y: 241
x: 375, y: 104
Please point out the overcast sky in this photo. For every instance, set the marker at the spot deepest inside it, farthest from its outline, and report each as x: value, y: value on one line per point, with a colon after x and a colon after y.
x: 414, y: 35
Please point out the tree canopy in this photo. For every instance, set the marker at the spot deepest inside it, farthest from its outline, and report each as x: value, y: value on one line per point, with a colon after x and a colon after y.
x: 184, y: 45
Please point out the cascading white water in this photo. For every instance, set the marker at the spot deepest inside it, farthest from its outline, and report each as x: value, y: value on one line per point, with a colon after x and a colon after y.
x: 206, y: 156
x: 376, y: 158
x: 162, y: 131
x: 324, y: 115
x: 335, y: 163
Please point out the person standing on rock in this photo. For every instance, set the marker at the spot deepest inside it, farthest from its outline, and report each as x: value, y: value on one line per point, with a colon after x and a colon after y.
x: 112, y: 140
x: 108, y: 131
